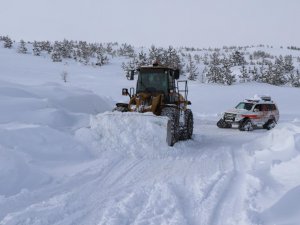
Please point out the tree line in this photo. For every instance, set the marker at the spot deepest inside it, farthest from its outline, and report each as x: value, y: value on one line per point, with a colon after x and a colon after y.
x: 261, y: 67
x: 226, y: 65
x: 97, y: 54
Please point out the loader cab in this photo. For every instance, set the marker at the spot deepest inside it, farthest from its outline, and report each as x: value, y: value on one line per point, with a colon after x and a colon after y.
x: 157, y: 79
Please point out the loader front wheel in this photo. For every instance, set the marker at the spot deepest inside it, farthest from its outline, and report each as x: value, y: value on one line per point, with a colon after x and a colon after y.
x: 187, y: 126
x: 173, y: 124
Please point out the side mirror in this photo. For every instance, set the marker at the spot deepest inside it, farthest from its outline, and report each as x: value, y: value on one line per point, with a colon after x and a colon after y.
x: 189, y: 103
x: 176, y: 74
x: 255, y: 110
x: 125, y: 91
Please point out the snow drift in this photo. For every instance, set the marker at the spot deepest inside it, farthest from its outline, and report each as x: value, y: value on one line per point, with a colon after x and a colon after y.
x: 136, y: 134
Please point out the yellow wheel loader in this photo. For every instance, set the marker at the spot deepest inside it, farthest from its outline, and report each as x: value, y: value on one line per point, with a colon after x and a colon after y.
x: 159, y: 91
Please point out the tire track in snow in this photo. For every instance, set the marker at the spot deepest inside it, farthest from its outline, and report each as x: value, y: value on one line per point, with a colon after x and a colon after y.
x: 212, y: 195
x: 230, y: 206
x: 226, y: 202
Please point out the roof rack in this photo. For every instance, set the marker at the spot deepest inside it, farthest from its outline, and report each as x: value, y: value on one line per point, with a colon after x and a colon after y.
x: 266, y: 98
x: 260, y: 98
x: 251, y: 100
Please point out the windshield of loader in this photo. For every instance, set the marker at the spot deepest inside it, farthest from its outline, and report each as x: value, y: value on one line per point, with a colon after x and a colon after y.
x: 152, y: 81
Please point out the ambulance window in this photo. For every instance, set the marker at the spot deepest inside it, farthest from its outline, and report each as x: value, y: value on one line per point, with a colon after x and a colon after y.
x: 258, y: 107
x: 264, y: 107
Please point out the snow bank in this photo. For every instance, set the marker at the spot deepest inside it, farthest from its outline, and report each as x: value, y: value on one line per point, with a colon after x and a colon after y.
x: 284, y: 212
x: 134, y: 134
x: 16, y: 174
x: 277, y: 160
x: 36, y: 130
x: 42, y: 144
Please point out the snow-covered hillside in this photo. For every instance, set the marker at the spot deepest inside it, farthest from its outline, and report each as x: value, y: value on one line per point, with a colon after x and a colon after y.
x: 65, y: 159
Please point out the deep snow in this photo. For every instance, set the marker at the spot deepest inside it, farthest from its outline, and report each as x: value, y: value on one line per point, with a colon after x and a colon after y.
x: 66, y: 159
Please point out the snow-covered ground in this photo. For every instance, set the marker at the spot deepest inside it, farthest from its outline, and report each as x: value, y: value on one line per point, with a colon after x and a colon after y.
x: 65, y: 159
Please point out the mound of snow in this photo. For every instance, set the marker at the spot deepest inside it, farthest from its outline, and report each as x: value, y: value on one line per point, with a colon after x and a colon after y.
x: 285, y: 171
x: 42, y: 143
x: 278, y: 145
x: 284, y: 212
x: 36, y: 130
x: 16, y: 174
x: 135, y: 134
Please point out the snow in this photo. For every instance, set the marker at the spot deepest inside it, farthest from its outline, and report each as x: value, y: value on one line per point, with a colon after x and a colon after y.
x: 136, y: 132
x: 65, y: 158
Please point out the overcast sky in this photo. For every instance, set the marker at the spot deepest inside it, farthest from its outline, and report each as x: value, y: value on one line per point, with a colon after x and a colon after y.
x: 195, y: 23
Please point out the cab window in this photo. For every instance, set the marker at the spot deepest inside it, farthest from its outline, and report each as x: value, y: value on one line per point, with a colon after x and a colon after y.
x: 152, y: 82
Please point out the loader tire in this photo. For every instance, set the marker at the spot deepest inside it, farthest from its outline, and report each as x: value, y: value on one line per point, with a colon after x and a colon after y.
x: 186, y: 129
x: 173, y: 124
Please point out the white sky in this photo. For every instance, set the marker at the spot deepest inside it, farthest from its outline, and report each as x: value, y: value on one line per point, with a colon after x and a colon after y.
x: 195, y: 23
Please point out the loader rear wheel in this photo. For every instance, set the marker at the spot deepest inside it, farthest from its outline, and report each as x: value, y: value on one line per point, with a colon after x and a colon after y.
x: 173, y: 124
x: 186, y: 130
